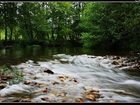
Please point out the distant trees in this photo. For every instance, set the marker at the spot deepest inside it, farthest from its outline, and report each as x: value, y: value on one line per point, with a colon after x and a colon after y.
x: 112, y: 25
x: 8, y: 19
x: 96, y: 25
x: 41, y: 21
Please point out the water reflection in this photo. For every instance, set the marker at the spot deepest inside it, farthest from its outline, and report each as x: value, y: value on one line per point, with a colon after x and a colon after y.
x: 17, y: 55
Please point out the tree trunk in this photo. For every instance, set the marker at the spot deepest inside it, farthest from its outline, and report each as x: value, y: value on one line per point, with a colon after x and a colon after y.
x: 5, y: 23
x: 5, y: 34
x: 52, y: 29
x: 0, y: 35
x: 11, y: 33
x: 31, y: 31
x: 26, y: 28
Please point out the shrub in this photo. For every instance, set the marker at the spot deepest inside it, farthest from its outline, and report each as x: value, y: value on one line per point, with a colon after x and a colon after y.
x: 11, y: 74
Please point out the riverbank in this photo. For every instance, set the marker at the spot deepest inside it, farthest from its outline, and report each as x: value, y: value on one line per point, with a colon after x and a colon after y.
x: 130, y: 63
x: 43, y: 43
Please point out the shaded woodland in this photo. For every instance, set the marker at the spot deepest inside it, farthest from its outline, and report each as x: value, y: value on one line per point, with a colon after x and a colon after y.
x: 89, y: 24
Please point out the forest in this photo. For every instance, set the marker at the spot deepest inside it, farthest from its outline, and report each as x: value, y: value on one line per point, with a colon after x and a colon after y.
x: 69, y: 52
x: 88, y: 24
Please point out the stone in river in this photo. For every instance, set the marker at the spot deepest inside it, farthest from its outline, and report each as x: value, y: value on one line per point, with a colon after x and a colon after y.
x: 48, y: 71
x: 2, y: 86
x: 64, y: 61
x: 115, y: 63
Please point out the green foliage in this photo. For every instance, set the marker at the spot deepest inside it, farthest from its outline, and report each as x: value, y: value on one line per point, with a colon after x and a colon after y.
x: 114, y: 25
x: 87, y: 40
x: 17, y: 75
x: 111, y: 25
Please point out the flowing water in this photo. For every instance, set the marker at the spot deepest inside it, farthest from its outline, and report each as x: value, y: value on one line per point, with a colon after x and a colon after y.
x: 117, y: 85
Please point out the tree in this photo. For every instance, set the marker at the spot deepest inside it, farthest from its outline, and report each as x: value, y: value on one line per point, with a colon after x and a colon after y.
x: 109, y: 23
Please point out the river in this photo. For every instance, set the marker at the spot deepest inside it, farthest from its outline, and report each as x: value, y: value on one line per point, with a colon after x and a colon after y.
x: 18, y: 55
x: 122, y: 86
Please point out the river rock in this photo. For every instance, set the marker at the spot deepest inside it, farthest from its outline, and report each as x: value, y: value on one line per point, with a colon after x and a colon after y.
x: 115, y: 63
x: 27, y: 82
x: 64, y: 60
x: 116, y: 57
x: 29, y: 62
x: 2, y: 85
x: 48, y: 71
x: 61, y: 56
